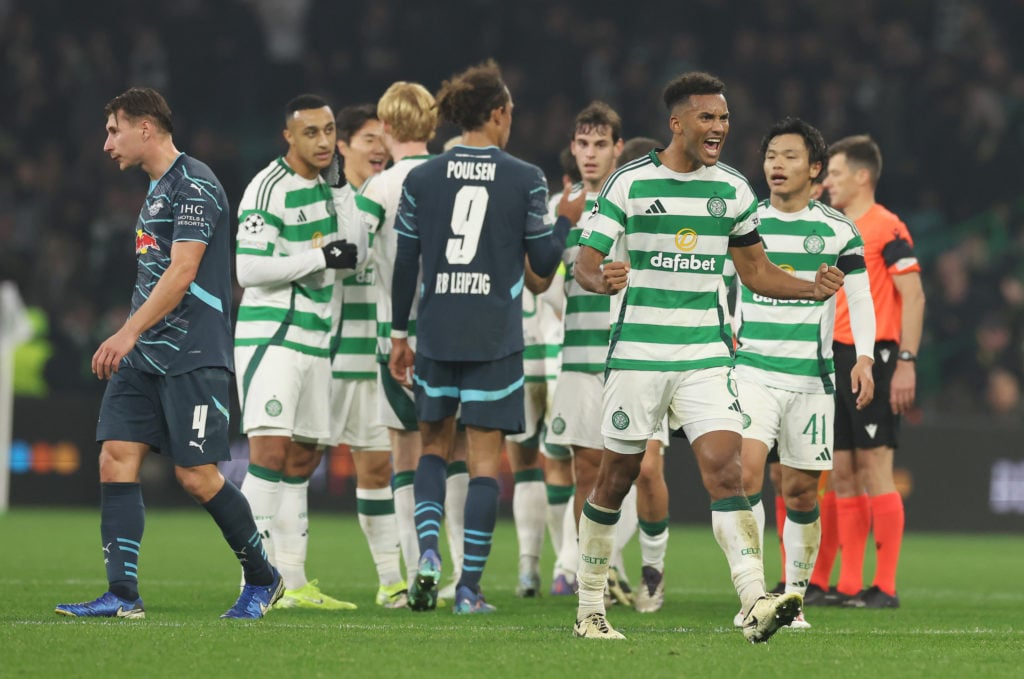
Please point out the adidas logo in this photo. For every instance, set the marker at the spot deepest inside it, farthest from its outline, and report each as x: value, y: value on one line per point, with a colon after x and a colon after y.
x: 736, y: 407
x: 871, y: 429
x: 301, y: 218
x: 824, y: 456
x: 801, y: 583
x: 656, y: 208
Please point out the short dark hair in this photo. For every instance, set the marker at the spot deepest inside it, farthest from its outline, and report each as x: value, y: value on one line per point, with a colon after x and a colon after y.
x: 597, y: 115
x: 142, y: 102
x: 569, y: 166
x: 817, y: 151
x: 304, y: 102
x: 686, y: 85
x: 636, y: 147
x: 467, y: 98
x: 352, y: 118
x: 861, y: 151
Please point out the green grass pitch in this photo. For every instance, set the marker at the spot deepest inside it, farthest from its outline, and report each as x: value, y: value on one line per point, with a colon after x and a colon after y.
x: 962, y: 602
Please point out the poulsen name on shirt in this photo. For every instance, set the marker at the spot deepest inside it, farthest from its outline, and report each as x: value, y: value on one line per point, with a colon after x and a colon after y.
x: 463, y: 283
x: 471, y: 170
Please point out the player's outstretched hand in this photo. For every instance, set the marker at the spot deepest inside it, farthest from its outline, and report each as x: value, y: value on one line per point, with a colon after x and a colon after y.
x: 571, y: 207
x: 616, y: 275
x: 827, y: 282
x: 401, y: 360
x: 340, y: 254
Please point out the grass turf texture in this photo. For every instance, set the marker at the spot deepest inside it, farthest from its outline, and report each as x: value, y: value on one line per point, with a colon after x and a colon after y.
x: 961, y: 598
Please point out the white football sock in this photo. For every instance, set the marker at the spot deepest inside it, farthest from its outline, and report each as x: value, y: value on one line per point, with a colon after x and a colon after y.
x: 376, y: 508
x: 597, y: 540
x: 653, y: 549
x: 736, y: 533
x: 456, y: 489
x: 624, y: 530
x: 529, y: 507
x: 405, y: 507
x: 264, y: 500
x: 291, y: 533
x: 802, y: 541
x: 569, y: 554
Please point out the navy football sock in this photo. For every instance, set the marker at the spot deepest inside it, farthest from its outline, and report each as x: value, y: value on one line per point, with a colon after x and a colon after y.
x: 232, y: 514
x: 122, y: 520
x: 481, y: 514
x: 429, y: 489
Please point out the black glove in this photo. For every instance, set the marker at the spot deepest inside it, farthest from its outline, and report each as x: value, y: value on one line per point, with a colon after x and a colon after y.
x: 340, y: 254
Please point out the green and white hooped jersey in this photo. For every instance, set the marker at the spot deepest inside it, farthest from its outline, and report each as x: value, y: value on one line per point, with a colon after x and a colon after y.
x: 585, y: 345
x: 542, y: 332
x: 676, y: 228
x: 282, y: 214
x: 787, y: 344
x: 354, y: 335
x: 377, y: 204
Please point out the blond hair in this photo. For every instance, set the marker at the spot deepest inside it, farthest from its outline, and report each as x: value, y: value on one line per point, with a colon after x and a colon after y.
x: 409, y: 111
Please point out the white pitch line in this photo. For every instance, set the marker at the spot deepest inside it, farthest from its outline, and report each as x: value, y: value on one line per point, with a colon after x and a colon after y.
x: 976, y: 631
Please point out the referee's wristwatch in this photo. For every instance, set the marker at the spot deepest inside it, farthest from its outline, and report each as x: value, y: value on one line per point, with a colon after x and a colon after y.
x: 906, y: 356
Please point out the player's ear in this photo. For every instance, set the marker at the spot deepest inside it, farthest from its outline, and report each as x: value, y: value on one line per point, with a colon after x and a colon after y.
x: 619, y: 145
x: 675, y: 124
x: 815, y: 170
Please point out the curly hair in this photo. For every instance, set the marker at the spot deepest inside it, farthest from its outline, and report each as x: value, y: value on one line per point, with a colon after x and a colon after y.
x: 468, y: 98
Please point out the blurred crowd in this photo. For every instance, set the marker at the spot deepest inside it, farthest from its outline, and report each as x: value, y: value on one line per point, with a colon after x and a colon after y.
x: 939, y: 84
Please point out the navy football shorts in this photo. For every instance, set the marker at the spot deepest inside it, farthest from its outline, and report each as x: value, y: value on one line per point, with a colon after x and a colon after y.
x: 184, y: 417
x: 490, y: 392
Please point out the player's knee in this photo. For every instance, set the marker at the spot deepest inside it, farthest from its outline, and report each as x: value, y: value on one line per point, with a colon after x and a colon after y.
x: 801, y: 499
x: 302, y: 461
x: 373, y: 468
x: 651, y: 470
x: 725, y: 480
x: 200, y: 482
x: 752, y: 481
x: 618, y: 473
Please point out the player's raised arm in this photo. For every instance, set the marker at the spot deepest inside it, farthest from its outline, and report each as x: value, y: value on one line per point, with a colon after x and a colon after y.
x: 607, y: 279
x: 758, y: 273
x: 544, y: 242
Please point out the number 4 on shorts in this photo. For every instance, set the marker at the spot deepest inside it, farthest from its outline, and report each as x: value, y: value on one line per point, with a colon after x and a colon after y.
x: 199, y: 420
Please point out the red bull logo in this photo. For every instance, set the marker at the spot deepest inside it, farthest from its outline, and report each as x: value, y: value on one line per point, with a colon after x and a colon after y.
x: 143, y: 242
